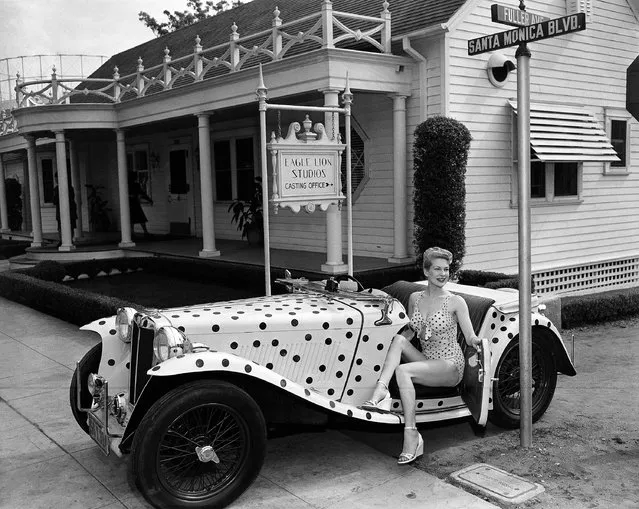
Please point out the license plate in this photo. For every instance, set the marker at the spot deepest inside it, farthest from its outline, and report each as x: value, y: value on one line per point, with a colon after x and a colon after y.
x: 98, y: 434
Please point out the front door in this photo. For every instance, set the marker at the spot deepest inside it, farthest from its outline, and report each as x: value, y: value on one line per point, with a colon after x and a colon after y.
x: 180, y: 207
x: 475, y: 388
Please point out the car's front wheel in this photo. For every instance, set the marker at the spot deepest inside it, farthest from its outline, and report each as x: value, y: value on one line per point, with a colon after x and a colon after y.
x: 200, y: 445
x: 506, y: 387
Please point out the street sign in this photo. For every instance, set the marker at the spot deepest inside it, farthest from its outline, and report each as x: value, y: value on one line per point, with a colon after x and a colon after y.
x: 514, y: 17
x: 529, y: 33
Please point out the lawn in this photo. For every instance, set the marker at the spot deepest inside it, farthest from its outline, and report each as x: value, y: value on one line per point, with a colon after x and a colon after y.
x: 161, y: 291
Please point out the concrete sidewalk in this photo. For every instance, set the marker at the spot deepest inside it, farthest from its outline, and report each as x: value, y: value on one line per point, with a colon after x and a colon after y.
x: 46, y: 461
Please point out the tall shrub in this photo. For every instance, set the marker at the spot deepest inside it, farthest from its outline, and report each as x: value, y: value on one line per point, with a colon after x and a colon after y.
x: 440, y: 154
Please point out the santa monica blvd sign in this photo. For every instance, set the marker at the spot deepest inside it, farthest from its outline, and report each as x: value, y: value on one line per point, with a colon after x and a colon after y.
x: 529, y: 33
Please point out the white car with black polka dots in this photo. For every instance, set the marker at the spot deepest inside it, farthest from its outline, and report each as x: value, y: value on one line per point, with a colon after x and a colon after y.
x: 192, y: 393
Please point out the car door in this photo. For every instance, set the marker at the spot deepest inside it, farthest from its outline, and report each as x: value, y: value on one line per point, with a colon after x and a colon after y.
x: 475, y: 387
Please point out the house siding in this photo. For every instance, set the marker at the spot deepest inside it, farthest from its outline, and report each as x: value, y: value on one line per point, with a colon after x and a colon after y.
x: 586, y: 69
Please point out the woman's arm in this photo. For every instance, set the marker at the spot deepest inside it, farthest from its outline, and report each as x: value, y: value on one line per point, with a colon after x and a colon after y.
x: 408, y: 331
x: 460, y: 309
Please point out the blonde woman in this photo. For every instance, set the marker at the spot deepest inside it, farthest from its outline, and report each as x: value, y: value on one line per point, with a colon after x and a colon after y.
x: 434, y: 315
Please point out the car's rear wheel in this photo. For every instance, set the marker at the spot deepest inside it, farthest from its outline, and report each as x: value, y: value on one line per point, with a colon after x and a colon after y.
x: 90, y: 363
x: 201, y: 445
x: 506, y: 387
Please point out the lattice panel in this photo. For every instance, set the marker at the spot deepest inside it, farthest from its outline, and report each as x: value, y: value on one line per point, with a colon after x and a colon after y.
x: 589, y: 277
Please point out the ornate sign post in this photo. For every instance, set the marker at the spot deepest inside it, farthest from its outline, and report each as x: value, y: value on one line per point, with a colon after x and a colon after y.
x: 531, y: 28
x: 306, y: 167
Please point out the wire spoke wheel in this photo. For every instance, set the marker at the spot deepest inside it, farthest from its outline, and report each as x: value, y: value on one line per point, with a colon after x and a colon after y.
x: 180, y: 468
x: 200, y: 445
x: 507, y: 389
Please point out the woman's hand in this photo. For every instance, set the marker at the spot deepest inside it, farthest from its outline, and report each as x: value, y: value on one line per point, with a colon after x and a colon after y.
x: 475, y: 342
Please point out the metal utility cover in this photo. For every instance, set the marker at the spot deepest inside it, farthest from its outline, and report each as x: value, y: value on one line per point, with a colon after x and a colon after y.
x: 497, y: 483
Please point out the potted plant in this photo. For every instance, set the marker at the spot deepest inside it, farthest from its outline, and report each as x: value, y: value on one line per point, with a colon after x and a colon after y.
x: 247, y: 214
x: 98, y: 210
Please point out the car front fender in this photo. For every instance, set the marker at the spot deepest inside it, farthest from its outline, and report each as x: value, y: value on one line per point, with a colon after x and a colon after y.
x: 115, y: 354
x: 208, y: 361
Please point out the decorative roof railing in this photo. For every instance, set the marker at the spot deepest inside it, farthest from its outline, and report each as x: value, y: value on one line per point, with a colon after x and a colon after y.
x: 325, y: 29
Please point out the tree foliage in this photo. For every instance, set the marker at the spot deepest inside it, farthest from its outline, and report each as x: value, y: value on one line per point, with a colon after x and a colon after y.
x: 440, y: 154
x: 197, y: 10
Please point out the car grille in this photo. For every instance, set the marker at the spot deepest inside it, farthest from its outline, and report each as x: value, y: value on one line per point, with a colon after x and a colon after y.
x: 141, y: 359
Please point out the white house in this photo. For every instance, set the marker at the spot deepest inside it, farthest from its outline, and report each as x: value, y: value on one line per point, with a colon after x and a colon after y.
x: 181, y: 112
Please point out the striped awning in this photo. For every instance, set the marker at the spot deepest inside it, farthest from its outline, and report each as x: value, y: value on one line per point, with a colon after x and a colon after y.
x: 567, y: 133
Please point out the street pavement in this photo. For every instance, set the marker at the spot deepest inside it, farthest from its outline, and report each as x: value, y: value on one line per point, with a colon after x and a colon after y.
x: 48, y: 462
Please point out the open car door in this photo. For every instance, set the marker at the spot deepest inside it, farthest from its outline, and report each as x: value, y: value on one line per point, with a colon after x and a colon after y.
x: 475, y: 388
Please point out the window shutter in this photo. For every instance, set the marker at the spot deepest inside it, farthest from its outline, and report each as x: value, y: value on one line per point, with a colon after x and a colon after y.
x: 358, y: 163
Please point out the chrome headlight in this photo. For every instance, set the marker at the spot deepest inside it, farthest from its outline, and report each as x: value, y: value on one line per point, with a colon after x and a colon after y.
x: 123, y: 321
x: 170, y: 342
x: 95, y: 383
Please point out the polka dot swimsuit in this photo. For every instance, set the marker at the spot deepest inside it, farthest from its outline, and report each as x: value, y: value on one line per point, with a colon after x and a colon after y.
x: 438, y: 334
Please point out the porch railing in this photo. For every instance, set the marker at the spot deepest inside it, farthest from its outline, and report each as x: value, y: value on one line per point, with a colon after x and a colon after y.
x: 7, y: 123
x: 325, y: 29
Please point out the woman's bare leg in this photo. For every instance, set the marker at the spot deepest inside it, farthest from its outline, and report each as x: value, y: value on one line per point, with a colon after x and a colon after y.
x: 401, y: 348
x: 434, y: 373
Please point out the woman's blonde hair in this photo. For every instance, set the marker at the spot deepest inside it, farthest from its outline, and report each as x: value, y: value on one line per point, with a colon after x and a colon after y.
x: 432, y: 253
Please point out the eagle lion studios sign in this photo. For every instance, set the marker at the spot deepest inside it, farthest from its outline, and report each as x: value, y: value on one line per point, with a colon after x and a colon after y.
x: 527, y: 33
x: 306, y: 168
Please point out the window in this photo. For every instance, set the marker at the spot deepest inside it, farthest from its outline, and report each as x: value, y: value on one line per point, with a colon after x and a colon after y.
x: 618, y: 133
x: 137, y: 162
x: 47, y: 180
x: 618, y: 130
x: 359, y: 173
x: 178, y: 171
x: 552, y: 182
x: 566, y: 177
x: 234, y: 165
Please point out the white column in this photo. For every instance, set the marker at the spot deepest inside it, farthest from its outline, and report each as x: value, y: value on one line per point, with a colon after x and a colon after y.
x: 123, y: 189
x: 77, y: 189
x: 334, y: 263
x: 400, y: 195
x: 63, y: 192
x: 34, y: 192
x: 206, y: 188
x: 4, y: 215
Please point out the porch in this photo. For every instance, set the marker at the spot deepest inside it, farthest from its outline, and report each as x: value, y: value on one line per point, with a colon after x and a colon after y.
x: 105, y: 245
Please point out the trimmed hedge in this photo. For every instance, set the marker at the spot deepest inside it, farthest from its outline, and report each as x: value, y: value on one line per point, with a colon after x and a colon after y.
x: 493, y: 280
x: 597, y: 308
x: 56, y: 299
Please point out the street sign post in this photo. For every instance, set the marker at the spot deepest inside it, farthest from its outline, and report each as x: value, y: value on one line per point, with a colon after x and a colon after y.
x: 530, y: 28
x: 528, y: 33
x: 514, y: 17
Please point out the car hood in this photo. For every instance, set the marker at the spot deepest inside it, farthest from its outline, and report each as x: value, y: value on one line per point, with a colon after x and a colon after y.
x: 280, y: 313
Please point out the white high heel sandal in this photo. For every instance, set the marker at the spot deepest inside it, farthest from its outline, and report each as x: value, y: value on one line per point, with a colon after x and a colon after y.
x: 406, y: 457
x: 383, y: 405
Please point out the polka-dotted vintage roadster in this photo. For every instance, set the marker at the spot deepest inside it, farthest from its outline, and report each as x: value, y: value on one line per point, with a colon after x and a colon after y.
x: 190, y: 392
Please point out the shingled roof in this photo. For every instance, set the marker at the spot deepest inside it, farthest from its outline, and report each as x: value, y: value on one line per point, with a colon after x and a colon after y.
x: 406, y: 16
